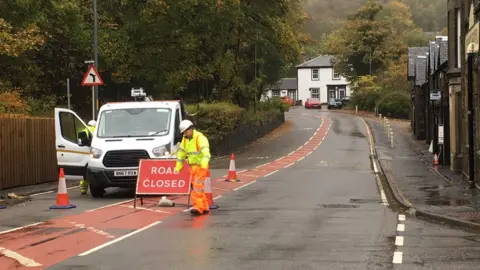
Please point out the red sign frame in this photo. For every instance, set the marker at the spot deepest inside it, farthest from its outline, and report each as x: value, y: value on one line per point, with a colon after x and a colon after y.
x: 160, y: 173
x: 97, y: 83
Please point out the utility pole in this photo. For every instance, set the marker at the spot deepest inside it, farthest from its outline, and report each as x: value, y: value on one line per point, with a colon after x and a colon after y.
x: 95, y: 54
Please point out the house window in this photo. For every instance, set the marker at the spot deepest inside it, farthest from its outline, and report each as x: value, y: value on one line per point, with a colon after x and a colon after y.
x: 315, y: 74
x: 336, y: 75
x: 342, y: 93
x: 315, y: 92
x: 275, y: 93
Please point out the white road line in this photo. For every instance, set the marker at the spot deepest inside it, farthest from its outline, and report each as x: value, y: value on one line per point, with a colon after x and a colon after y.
x: 397, y: 257
x: 242, y: 171
x: 147, y: 209
x: 119, y: 239
x: 110, y: 205
x: 399, y: 241
x: 218, y: 197
x: 279, y: 158
x: 401, y: 227
x: 270, y: 173
x: 247, y: 184
x: 299, y: 147
x: 19, y: 228
x: 300, y: 158
x: 309, y: 153
x: 401, y: 217
x: 19, y: 258
x: 307, y: 142
x: 315, y: 134
x: 48, y: 192
x: 291, y: 153
x: 289, y: 165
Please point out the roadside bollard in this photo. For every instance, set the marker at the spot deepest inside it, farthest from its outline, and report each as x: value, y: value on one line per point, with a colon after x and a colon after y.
x: 388, y: 131
x: 391, y: 139
x: 356, y: 110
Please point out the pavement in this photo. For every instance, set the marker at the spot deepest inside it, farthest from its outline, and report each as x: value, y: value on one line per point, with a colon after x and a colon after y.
x: 432, y: 192
x: 320, y: 203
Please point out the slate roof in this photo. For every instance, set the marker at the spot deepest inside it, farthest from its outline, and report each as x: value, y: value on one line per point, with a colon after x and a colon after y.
x: 421, y: 70
x: 443, y: 54
x: 320, y: 61
x: 285, y: 84
x: 413, y: 52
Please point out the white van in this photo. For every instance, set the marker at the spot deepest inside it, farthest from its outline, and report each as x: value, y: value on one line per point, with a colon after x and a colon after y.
x: 125, y: 133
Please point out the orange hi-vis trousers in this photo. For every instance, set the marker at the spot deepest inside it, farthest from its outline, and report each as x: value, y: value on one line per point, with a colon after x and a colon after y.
x: 197, y: 196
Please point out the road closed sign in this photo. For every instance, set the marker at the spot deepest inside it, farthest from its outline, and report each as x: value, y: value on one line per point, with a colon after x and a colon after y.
x: 157, y: 177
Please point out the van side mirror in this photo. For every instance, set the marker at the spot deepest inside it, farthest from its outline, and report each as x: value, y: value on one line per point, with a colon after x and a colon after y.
x: 83, y: 139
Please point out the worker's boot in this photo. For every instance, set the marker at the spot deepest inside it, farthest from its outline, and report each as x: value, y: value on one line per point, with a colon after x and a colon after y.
x: 195, y: 212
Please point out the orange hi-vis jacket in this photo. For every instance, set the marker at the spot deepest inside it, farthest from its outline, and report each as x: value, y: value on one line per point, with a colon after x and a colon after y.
x: 195, y: 150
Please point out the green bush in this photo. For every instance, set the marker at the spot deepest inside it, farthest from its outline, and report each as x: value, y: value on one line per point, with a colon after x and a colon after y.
x: 395, y: 105
x: 365, y: 101
x: 217, y: 120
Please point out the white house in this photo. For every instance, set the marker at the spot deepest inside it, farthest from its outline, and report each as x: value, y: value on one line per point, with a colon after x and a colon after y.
x: 316, y: 78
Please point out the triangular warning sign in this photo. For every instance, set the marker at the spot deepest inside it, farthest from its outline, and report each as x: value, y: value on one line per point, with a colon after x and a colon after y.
x: 92, y: 77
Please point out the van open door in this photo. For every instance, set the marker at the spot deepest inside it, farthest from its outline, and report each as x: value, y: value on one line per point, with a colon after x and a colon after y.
x: 72, y: 141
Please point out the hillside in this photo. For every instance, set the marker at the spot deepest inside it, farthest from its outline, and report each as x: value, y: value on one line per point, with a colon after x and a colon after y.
x: 327, y: 15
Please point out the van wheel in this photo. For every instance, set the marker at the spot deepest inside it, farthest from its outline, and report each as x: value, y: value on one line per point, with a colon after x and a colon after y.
x: 97, y: 192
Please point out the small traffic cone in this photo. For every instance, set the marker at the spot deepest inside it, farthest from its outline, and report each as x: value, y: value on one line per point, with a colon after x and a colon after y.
x: 62, y: 197
x: 232, y: 172
x: 208, y: 191
x: 435, y: 159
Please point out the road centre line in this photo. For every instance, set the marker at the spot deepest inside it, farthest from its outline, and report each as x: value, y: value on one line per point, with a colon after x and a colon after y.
x: 247, y: 184
x: 401, y: 217
x: 19, y: 258
x: 397, y: 257
x: 401, y: 227
x: 119, y: 239
x: 399, y: 241
x: 109, y: 205
x: 19, y: 228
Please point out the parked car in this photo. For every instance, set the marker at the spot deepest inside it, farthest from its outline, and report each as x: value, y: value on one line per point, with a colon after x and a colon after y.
x: 288, y: 100
x: 313, y: 103
x: 345, y: 100
x: 335, y: 103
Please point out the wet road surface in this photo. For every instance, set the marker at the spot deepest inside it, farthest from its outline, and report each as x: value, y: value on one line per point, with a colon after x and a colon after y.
x: 323, y: 212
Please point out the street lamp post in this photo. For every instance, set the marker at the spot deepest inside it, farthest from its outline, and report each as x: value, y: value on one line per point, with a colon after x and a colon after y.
x: 95, y: 56
x: 94, y: 111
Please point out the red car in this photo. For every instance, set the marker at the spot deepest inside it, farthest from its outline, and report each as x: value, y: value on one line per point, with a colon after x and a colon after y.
x: 312, y: 103
x: 288, y: 100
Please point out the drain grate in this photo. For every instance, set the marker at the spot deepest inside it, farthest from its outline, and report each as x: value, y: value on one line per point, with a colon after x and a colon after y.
x: 339, y: 206
x: 365, y: 201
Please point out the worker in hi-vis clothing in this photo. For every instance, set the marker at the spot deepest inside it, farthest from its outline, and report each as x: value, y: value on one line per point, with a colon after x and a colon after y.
x: 196, y: 149
x: 89, y: 130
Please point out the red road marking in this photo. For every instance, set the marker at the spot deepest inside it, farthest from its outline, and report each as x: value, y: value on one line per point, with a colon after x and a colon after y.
x: 59, y: 239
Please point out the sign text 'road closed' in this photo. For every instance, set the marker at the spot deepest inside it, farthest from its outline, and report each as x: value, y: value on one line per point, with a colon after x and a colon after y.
x: 159, y: 177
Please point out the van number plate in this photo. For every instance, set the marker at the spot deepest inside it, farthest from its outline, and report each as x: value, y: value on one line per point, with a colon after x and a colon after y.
x: 125, y: 173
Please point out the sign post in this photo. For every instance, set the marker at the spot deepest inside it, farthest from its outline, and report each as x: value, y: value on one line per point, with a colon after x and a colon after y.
x: 92, y: 78
x: 157, y: 177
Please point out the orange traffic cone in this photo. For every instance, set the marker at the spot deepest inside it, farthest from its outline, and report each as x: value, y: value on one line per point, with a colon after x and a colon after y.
x: 62, y: 197
x: 208, y: 191
x: 435, y: 159
x: 232, y: 172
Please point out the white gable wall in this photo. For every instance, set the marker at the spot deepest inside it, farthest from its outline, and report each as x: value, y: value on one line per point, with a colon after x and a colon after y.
x: 304, y: 76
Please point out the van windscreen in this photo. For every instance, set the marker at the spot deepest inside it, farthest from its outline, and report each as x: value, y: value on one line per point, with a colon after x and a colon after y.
x: 136, y: 122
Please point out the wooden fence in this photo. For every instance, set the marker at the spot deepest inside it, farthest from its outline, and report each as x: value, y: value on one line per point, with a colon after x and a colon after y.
x: 27, y: 151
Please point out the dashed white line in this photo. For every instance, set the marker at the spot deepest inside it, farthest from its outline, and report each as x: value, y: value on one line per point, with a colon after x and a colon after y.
x: 110, y: 205
x: 401, y: 217
x: 291, y: 153
x: 399, y: 241
x: 401, y: 227
x: 300, y: 158
x: 19, y: 228
x: 48, y: 192
x: 119, y: 239
x: 397, y: 257
x: 307, y: 142
x: 309, y: 153
x: 267, y: 175
x: 289, y: 165
x: 218, y: 197
x: 19, y: 258
x: 247, y: 184
x: 299, y: 148
x: 145, y: 208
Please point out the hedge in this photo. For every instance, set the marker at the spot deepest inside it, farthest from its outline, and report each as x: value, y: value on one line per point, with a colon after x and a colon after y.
x: 395, y: 104
x: 220, y: 119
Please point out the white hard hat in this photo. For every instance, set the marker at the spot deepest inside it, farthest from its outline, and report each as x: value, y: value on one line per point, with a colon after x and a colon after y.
x: 185, y: 124
x: 92, y: 123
